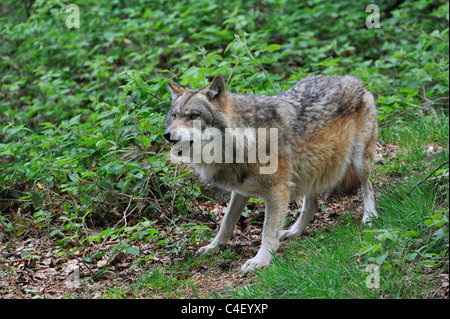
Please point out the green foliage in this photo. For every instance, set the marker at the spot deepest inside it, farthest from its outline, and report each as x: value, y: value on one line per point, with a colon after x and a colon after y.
x: 197, y: 39
x: 393, y: 248
x: 421, y: 230
x: 157, y: 282
x: 315, y: 267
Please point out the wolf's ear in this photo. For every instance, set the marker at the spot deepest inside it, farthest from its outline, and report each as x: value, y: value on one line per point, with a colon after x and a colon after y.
x: 175, y: 90
x: 216, y: 90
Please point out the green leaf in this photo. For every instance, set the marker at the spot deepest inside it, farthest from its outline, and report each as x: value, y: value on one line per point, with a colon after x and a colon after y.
x: 440, y: 234
x: 439, y: 223
x: 411, y: 256
x: 411, y: 233
x: 272, y: 47
x: 146, y: 141
x: 106, y: 185
x: 106, y: 232
x: 98, y: 254
x: 367, y: 248
x: 376, y: 247
x: 53, y: 233
x: 380, y: 259
x: 428, y: 222
x: 217, y: 57
x: 437, y: 215
x: 132, y: 250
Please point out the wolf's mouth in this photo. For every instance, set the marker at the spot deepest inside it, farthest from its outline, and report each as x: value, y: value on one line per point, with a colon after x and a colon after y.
x: 180, y: 149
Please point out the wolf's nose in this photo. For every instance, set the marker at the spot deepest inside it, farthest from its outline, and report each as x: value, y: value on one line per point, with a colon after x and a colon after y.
x: 169, y: 138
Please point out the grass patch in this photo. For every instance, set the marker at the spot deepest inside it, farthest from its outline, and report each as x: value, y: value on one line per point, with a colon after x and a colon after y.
x: 316, y: 267
x: 420, y: 142
x: 159, y: 283
x: 210, y: 276
x: 407, y: 252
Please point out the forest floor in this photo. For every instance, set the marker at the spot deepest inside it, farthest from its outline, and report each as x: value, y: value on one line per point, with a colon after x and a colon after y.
x: 45, y: 275
x: 32, y: 269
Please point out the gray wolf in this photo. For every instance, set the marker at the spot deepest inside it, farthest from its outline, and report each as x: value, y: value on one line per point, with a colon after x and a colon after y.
x: 326, y: 133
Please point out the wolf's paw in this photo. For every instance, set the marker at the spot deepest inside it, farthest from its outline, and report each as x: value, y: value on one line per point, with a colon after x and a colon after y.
x: 255, y: 263
x: 368, y: 217
x: 367, y: 222
x: 208, y: 249
x: 288, y: 234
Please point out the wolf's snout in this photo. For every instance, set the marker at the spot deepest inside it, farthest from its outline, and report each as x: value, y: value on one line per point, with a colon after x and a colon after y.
x: 170, y: 137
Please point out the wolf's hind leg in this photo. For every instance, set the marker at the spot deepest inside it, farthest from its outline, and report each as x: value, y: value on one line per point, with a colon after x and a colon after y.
x: 369, y: 201
x: 310, y: 206
x: 229, y: 221
x: 362, y: 169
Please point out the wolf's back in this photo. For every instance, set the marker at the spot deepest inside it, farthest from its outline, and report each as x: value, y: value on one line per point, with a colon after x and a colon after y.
x: 321, y: 100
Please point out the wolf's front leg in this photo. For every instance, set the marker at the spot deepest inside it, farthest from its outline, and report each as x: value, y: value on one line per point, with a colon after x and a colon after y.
x: 229, y: 221
x: 276, y: 212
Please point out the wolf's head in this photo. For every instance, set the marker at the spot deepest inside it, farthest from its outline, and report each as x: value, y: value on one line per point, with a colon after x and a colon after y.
x: 211, y: 126
x: 193, y: 112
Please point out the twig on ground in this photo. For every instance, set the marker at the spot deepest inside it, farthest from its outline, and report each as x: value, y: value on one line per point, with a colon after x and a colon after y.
x: 429, y: 175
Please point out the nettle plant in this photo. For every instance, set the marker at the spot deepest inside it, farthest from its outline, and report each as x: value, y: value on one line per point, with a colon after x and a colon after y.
x: 109, y: 165
x: 395, y: 248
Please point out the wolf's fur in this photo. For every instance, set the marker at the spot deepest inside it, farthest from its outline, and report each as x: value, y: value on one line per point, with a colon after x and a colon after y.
x: 326, y: 127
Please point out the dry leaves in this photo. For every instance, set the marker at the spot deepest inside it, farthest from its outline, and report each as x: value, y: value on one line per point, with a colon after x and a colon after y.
x: 38, y: 268
x: 385, y: 151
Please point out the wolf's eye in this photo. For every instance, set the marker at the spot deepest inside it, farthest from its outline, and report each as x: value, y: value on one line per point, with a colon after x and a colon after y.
x: 174, y: 116
x: 193, y: 116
